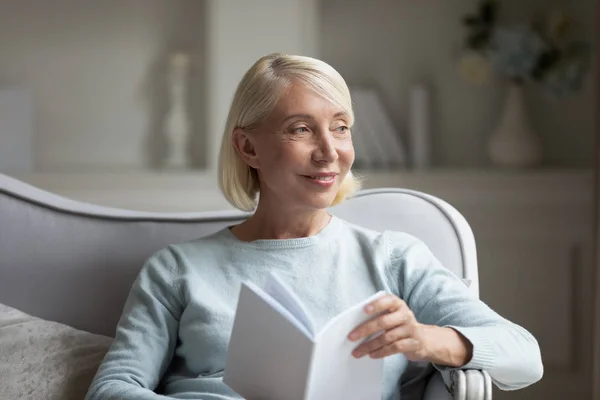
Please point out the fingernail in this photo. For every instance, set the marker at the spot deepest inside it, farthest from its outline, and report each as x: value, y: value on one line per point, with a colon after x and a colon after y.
x: 352, y: 336
x: 357, y: 354
x: 369, y: 309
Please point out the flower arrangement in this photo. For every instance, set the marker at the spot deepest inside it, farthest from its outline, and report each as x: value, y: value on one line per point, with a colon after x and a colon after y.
x: 541, y: 51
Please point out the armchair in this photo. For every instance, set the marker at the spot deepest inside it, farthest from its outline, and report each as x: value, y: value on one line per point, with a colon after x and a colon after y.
x: 449, y: 236
x: 64, y: 260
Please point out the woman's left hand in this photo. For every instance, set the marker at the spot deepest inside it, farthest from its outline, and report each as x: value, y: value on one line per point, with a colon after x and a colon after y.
x: 402, y: 333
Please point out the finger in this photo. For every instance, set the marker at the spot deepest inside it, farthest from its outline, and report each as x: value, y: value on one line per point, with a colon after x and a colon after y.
x: 388, y: 302
x: 381, y: 323
x: 381, y: 341
x: 406, y: 345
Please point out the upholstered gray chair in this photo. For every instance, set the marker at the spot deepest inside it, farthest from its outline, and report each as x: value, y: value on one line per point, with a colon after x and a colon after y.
x: 74, y: 263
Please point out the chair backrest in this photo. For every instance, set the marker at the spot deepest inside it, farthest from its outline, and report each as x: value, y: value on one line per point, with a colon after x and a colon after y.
x: 74, y: 262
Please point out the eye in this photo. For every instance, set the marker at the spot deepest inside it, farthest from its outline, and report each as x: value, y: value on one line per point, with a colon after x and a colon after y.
x: 300, y: 129
x: 342, y: 129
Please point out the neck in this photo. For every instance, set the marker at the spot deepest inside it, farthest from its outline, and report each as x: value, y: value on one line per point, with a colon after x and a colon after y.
x: 272, y: 223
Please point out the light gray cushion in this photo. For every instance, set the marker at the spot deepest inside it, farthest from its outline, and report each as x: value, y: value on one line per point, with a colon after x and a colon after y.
x: 41, y: 359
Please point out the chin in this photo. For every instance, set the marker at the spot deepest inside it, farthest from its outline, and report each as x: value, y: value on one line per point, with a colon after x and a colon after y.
x: 319, y: 201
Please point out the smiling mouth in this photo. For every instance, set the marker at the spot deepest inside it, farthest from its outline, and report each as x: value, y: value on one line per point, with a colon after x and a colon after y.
x: 322, y: 178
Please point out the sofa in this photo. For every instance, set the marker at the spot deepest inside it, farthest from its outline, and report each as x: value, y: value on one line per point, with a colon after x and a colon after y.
x: 66, y: 268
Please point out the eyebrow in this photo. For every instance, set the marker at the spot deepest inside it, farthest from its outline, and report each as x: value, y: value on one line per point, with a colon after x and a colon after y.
x: 308, y: 116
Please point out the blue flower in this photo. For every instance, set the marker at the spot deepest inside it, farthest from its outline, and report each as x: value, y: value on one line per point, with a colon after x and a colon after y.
x: 568, y: 76
x: 515, y: 51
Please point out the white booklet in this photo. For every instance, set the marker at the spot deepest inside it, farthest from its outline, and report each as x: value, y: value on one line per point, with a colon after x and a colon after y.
x: 275, y: 353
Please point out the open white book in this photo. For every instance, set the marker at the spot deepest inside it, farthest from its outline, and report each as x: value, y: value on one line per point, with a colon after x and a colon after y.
x: 275, y: 353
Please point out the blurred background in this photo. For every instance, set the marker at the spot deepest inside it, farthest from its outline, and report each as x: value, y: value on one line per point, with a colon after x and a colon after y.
x: 490, y: 105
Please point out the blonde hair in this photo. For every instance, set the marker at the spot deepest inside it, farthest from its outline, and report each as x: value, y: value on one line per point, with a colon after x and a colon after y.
x: 256, y: 96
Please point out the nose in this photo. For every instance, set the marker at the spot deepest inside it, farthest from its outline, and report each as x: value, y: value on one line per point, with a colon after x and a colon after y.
x: 325, y: 150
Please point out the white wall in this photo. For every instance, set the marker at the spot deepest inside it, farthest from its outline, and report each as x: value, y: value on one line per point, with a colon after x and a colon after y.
x: 95, y: 71
x: 390, y: 43
x: 240, y: 32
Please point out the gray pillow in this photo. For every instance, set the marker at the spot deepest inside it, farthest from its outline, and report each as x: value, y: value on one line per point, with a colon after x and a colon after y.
x: 41, y: 359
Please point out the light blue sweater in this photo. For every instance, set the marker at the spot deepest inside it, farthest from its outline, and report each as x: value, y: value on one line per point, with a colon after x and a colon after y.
x: 173, y: 334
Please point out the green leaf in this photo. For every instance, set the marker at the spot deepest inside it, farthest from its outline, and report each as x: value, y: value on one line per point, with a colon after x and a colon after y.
x: 488, y: 12
x: 471, y: 20
x: 546, y: 62
x: 478, y: 40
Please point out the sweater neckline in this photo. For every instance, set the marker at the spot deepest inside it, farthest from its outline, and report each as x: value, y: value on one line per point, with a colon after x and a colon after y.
x: 326, y: 234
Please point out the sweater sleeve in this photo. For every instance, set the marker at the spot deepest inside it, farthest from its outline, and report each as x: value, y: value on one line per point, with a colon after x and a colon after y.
x: 145, y: 337
x: 508, y: 352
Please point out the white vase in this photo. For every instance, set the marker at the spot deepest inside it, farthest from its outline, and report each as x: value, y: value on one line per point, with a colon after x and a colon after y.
x: 176, y: 124
x: 514, y: 143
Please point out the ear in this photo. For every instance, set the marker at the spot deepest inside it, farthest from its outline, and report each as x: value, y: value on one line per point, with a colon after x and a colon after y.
x: 243, y: 142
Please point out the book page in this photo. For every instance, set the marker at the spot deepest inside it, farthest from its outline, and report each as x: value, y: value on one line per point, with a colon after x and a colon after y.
x: 343, y: 323
x: 280, y: 291
x: 335, y: 373
x: 276, y: 299
x: 268, y: 357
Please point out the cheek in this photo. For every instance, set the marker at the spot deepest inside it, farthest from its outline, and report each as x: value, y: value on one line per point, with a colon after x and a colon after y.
x: 269, y: 151
x: 281, y: 154
x: 292, y: 150
x: 346, y: 151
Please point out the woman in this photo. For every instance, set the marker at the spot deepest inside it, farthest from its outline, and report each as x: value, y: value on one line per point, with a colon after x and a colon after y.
x: 288, y: 138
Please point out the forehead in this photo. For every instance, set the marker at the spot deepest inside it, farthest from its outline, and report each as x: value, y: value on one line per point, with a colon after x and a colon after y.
x: 301, y: 98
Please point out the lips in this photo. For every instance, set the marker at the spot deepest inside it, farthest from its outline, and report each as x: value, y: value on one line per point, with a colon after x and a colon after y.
x: 327, y: 178
x: 323, y: 179
x: 322, y: 175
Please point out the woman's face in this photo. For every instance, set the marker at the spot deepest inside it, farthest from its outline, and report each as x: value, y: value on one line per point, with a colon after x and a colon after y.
x: 302, y: 150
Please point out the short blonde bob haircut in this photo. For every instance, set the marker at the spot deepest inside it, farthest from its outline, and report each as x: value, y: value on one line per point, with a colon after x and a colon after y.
x: 256, y: 96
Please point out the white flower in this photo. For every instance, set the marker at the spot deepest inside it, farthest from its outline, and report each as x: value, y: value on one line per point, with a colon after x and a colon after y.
x: 558, y: 26
x: 475, y: 68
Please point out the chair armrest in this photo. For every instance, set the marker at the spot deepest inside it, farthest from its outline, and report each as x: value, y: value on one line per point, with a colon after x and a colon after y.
x: 468, y: 384
x: 436, y: 389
